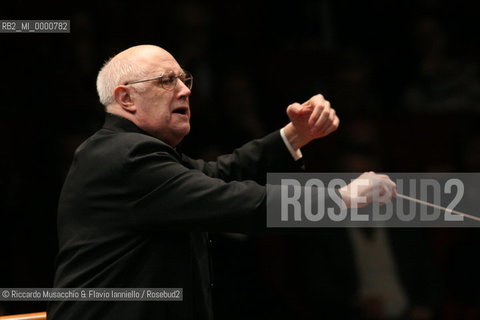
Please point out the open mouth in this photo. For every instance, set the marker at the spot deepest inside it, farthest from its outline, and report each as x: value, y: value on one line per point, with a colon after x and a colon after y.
x: 180, y: 110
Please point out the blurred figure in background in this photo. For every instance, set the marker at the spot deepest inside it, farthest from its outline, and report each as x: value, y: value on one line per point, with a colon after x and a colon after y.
x: 443, y: 83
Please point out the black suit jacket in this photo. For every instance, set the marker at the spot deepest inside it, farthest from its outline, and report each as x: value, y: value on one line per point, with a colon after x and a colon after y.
x: 133, y: 214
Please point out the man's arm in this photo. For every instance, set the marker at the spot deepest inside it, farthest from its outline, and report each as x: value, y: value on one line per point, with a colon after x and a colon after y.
x: 166, y: 194
x: 312, y: 120
x: 251, y: 161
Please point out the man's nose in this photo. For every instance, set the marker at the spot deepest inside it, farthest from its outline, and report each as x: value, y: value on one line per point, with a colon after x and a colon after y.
x: 182, y: 89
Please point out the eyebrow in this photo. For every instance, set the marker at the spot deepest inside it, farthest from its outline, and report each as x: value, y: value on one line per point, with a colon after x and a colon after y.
x: 161, y: 73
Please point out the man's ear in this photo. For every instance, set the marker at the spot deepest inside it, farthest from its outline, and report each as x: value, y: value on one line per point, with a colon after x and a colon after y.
x: 123, y: 97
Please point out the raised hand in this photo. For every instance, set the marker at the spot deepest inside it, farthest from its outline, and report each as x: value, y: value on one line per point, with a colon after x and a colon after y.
x: 311, y: 120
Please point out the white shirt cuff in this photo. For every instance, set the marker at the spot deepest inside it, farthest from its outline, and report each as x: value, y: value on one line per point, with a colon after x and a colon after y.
x: 296, y: 154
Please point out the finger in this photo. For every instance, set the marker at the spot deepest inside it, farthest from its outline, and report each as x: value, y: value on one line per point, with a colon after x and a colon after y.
x: 387, y: 191
x: 324, y: 121
x: 323, y: 107
x: 381, y: 192
x: 334, y: 126
x: 389, y: 181
x: 317, y: 112
x: 392, y: 184
x: 385, y: 181
x: 394, y: 192
x: 315, y: 99
x: 384, y: 178
x: 332, y: 116
x: 375, y: 193
x: 294, y: 110
x: 392, y: 188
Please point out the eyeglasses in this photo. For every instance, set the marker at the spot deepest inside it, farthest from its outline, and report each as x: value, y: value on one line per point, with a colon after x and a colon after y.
x: 168, y: 80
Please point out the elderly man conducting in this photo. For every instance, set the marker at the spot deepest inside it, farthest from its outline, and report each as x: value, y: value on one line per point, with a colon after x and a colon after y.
x: 133, y: 212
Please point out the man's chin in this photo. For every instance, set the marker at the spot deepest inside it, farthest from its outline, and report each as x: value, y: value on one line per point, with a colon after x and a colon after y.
x: 186, y: 130
x: 182, y: 133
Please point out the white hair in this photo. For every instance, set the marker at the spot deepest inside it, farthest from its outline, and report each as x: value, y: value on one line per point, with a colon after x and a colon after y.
x: 114, y: 72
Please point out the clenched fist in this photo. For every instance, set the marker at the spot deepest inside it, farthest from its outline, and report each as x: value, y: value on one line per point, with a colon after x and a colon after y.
x: 311, y: 120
